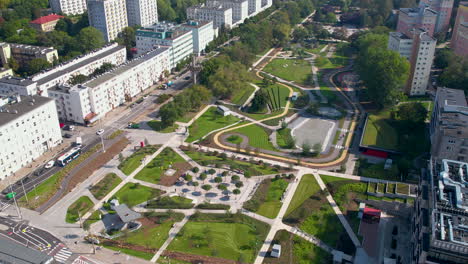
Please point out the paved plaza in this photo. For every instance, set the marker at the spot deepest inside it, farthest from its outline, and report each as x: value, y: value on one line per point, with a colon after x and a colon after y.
x: 313, y: 131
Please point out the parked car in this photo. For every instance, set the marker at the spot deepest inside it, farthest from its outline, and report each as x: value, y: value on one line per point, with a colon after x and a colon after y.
x: 187, y: 78
x: 133, y: 125
x: 99, y: 132
x: 67, y: 135
x: 70, y: 128
x: 49, y: 164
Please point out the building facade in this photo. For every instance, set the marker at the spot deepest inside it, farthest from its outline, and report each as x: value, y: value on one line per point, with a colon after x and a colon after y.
x: 240, y: 8
x: 142, y: 12
x: 443, y: 8
x: 68, y: 7
x: 219, y: 15
x: 418, y: 17
x: 177, y: 38
x: 95, y: 98
x: 202, y: 34
x: 459, y: 42
x: 23, y: 53
x: 29, y: 127
x: 108, y: 16
x: 255, y: 7
x: 45, y: 23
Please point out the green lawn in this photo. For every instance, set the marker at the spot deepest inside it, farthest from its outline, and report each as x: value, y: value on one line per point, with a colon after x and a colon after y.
x: 267, y: 199
x: 241, y: 96
x: 258, y: 137
x: 93, y: 218
x: 317, y: 49
x: 234, y: 139
x: 290, y: 69
x: 284, y: 138
x: 129, y: 164
x: 307, y: 187
x: 209, y: 121
x: 158, y: 126
x: 131, y: 252
x: 79, y: 207
x: 336, y: 61
x: 105, y: 185
x: 155, y: 169
x: 151, y: 237
x: 171, y: 202
x: 277, y: 101
x: 379, y: 132
x: 134, y: 193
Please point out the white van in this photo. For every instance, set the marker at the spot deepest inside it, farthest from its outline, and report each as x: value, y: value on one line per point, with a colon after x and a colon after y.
x: 78, y: 142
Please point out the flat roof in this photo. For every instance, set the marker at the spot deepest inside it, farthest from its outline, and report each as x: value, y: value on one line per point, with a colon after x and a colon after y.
x: 449, y: 96
x: 26, y: 105
x: 16, y: 80
x: 11, y: 252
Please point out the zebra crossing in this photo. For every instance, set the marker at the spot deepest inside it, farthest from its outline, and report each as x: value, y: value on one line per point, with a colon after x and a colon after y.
x: 83, y: 260
x: 60, y: 253
x: 4, y: 206
x: 338, y: 147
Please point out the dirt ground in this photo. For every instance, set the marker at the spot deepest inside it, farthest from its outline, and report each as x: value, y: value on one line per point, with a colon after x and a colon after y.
x: 181, y: 168
x: 196, y: 259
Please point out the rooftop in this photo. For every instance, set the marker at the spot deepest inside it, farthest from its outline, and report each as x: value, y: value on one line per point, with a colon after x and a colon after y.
x: 16, y: 81
x: 29, y: 48
x: 46, y: 19
x: 196, y: 23
x: 448, y: 96
x: 399, y: 35
x: 11, y: 252
x: 26, y: 104
x: 204, y: 7
x: 125, y: 214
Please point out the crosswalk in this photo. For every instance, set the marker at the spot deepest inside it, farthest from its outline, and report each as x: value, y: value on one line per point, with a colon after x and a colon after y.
x: 338, y: 147
x: 82, y: 260
x: 60, y: 253
x: 4, y: 206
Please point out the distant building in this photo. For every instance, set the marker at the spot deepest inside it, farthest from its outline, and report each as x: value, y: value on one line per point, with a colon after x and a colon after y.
x: 240, y: 8
x: 202, y: 34
x: 443, y: 8
x: 255, y: 7
x: 68, y: 7
x: 45, y: 23
x: 29, y: 127
x: 23, y: 53
x: 459, y: 42
x: 449, y: 126
x: 108, y: 16
x: 12, y: 252
x: 142, y: 12
x: 5, y: 72
x: 416, y: 17
x: 220, y: 15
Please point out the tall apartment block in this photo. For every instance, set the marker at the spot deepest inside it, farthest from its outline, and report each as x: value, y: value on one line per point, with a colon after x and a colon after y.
x: 220, y: 15
x: 29, y: 127
x: 240, y: 8
x: 459, y: 41
x: 108, y: 16
x: 142, y: 12
x: 255, y: 7
x: 419, y: 17
x: 443, y: 8
x: 68, y: 7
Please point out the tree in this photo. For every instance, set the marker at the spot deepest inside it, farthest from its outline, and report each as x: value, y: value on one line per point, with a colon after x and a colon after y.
x: 37, y: 65
x: 317, y: 148
x: 195, y: 184
x: 188, y: 177
x: 239, y: 184
x: 196, y: 169
x: 121, y: 158
x: 89, y: 39
x: 77, y: 79
x: 211, y: 171
x: 236, y: 191
x: 222, y: 187
x: 259, y: 101
x: 218, y: 179
x: 305, y: 149
x: 413, y: 112
x: 235, y: 178
x: 203, y: 177
x: 206, y: 187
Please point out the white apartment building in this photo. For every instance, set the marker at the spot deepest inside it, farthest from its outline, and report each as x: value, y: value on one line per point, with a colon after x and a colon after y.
x: 29, y: 127
x: 108, y: 16
x: 142, y: 12
x: 60, y: 74
x: 400, y: 43
x: 255, y: 7
x: 202, y: 34
x: 240, y: 8
x: 92, y: 100
x: 68, y: 7
x: 266, y: 4
x: 178, y: 39
x: 220, y: 15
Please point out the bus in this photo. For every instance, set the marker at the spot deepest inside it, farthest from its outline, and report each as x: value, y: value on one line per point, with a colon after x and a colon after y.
x: 69, y: 156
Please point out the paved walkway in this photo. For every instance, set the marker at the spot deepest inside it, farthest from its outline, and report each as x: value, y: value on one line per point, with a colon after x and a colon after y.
x: 172, y: 234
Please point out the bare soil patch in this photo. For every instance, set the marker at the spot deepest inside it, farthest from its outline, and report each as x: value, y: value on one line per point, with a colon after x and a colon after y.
x: 181, y: 168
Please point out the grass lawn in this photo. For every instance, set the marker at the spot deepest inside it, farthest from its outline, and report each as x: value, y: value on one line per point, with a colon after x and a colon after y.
x: 267, y: 199
x: 44, y: 191
x: 158, y: 126
x: 290, y: 69
x: 254, y: 169
x: 277, y: 101
x: 93, y: 218
x: 105, y: 185
x: 171, y: 202
x: 191, y: 114
x: 336, y: 61
x: 131, y: 252
x: 297, y: 250
x: 317, y: 49
x: 258, y: 137
x: 241, y: 96
x: 284, y: 138
x: 79, y: 207
x: 129, y: 164
x: 379, y: 132
x: 134, y: 193
x: 234, y: 139
x: 370, y: 170
x: 209, y: 121
x: 151, y: 237
x: 155, y: 169
x: 307, y: 187
x: 234, y: 237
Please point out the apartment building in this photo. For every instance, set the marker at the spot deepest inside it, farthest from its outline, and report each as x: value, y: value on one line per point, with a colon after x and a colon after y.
x: 443, y: 8
x: 255, y: 7
x: 68, y: 7
x: 240, y: 8
x: 45, y: 23
x: 440, y: 219
x: 202, y: 34
x: 88, y: 102
x: 23, y: 53
x: 219, y: 15
x: 142, y: 12
x: 5, y: 72
x: 177, y: 38
x: 29, y: 127
x: 417, y: 17
x: 459, y: 42
x: 108, y: 16
x: 448, y: 128
x: 61, y: 74
x: 400, y: 43
x: 266, y: 4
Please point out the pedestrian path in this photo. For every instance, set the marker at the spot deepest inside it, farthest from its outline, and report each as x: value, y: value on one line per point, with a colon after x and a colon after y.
x: 338, y: 146
x: 60, y: 253
x: 4, y: 206
x: 172, y: 234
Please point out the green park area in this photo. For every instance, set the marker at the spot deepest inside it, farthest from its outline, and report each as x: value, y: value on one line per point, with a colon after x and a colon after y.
x: 284, y: 139
x: 267, y: 199
x: 78, y: 209
x: 258, y: 137
x: 234, y: 237
x: 170, y: 202
x: 158, y: 126
x: 310, y: 211
x: 290, y: 69
x: 129, y: 164
x: 218, y: 160
x: 241, y: 96
x: 335, y: 61
x: 379, y: 132
x: 297, y: 250
x: 155, y: 169
x: 209, y: 121
x: 135, y: 193
x: 316, y: 48
x: 105, y: 185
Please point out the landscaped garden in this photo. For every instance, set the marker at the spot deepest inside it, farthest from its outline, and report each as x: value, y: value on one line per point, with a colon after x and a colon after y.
x: 379, y: 132
x: 209, y: 121
x: 234, y: 237
x: 290, y: 69
x: 284, y: 139
x: 297, y: 250
x: 170, y: 202
x: 156, y: 168
x: 135, y: 193
x: 129, y: 164
x: 267, y: 199
x: 78, y: 209
x: 258, y: 137
x: 240, y: 97
x: 158, y: 126
x: 105, y: 185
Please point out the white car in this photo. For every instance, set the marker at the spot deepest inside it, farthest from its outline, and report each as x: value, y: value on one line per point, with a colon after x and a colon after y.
x: 99, y: 132
x: 49, y: 164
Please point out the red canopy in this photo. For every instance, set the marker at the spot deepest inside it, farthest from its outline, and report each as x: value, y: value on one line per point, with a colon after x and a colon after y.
x: 372, y: 211
x: 376, y: 153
